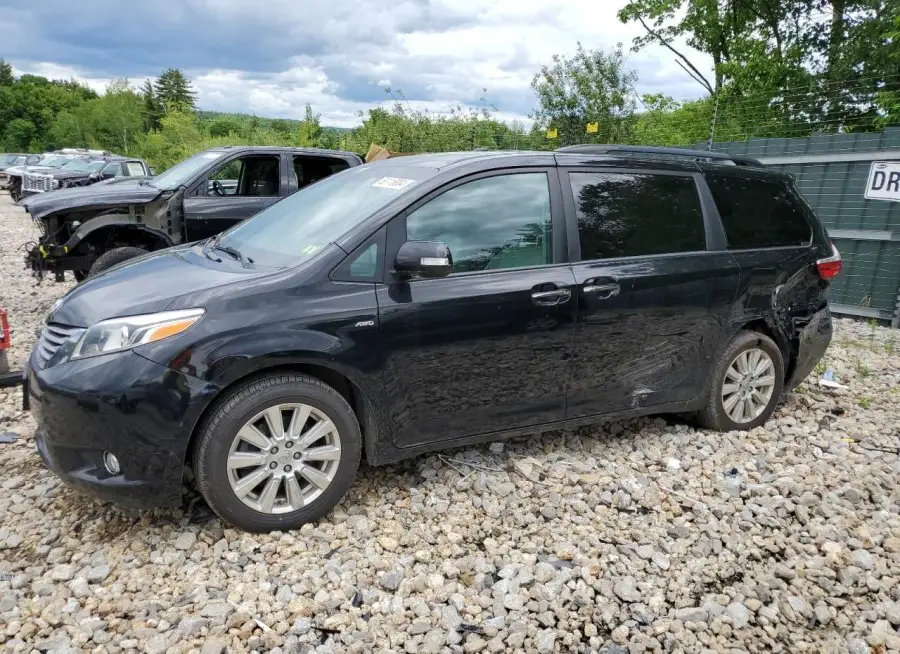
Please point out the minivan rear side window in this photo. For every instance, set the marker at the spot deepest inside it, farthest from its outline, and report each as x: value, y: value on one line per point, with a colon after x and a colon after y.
x: 759, y: 213
x: 636, y: 214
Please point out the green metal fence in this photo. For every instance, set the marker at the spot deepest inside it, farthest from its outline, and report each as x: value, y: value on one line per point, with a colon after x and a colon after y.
x: 832, y: 171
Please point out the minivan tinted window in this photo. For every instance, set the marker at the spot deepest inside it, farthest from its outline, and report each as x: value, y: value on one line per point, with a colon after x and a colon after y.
x: 490, y: 223
x: 628, y: 215
x: 758, y: 213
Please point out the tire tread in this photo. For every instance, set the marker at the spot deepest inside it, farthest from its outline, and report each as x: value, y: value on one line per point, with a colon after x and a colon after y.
x: 712, y: 415
x: 245, y: 394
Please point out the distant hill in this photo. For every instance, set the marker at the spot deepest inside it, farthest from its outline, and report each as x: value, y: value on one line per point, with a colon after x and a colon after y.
x: 273, y: 123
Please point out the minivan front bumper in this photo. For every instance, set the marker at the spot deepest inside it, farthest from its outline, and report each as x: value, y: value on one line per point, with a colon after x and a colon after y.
x: 812, y: 341
x: 141, y: 412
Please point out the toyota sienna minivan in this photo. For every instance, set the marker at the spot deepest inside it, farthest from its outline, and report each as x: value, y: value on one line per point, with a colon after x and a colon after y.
x: 427, y: 302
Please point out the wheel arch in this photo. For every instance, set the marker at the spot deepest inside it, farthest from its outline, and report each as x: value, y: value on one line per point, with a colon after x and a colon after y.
x: 788, y: 351
x: 121, y: 227
x: 348, y: 389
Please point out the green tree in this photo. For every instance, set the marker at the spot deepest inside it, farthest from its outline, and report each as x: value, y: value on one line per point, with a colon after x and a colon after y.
x: 225, y: 125
x: 310, y: 131
x: 118, y: 117
x: 787, y: 68
x: 173, y: 91
x: 19, y: 135
x: 6, y: 74
x: 152, y: 110
x: 590, y: 87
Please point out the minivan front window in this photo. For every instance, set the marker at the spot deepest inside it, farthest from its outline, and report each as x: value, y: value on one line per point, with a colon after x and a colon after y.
x: 296, y: 228
x: 183, y: 172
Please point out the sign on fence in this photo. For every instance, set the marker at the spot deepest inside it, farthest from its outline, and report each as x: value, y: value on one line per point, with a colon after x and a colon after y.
x: 884, y: 181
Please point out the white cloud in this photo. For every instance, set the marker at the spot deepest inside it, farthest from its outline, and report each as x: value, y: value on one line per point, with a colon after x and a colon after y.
x: 337, y: 57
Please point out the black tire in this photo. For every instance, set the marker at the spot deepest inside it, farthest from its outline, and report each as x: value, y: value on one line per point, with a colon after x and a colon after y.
x: 714, y: 415
x: 234, y: 410
x: 15, y: 193
x: 113, y: 257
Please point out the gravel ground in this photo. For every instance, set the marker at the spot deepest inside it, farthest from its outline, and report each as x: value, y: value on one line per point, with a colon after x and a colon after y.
x: 641, y: 536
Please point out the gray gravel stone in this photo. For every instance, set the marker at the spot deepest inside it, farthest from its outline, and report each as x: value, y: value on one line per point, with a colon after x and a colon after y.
x: 626, y: 590
x: 691, y: 614
x: 545, y: 640
x: 185, y: 540
x: 739, y: 615
x: 863, y: 559
x: 192, y: 626
x: 391, y: 580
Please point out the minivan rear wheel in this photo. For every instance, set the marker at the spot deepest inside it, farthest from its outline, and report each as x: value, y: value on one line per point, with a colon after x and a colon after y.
x: 277, y: 452
x: 747, y: 380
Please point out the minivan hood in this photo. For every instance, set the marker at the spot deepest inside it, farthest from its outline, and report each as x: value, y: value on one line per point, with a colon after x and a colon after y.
x: 94, y: 196
x: 148, y: 284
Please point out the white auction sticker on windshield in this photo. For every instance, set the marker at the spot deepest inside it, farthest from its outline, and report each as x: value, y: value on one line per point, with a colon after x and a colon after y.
x: 395, y: 183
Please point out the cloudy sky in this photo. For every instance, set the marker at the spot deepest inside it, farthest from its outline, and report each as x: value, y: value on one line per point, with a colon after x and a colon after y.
x: 271, y: 58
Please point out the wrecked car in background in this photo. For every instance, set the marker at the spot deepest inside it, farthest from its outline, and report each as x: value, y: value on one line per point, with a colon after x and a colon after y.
x: 82, y: 171
x: 9, y: 160
x: 47, y: 162
x: 89, y: 229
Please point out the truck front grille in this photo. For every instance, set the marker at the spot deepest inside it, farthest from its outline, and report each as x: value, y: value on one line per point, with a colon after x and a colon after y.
x: 37, y: 183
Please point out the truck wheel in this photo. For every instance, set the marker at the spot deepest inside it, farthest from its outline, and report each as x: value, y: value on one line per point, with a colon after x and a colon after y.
x: 277, y: 452
x: 113, y: 257
x: 746, y: 384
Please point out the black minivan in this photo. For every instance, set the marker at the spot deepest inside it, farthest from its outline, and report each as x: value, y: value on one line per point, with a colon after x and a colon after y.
x: 432, y: 301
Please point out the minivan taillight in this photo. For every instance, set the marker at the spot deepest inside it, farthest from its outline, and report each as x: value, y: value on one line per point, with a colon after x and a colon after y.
x: 831, y: 267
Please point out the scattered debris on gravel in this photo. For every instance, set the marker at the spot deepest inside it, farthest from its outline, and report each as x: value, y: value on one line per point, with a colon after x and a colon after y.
x: 648, y: 535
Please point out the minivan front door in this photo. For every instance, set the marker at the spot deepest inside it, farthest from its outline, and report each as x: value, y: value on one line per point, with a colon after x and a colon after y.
x: 488, y: 347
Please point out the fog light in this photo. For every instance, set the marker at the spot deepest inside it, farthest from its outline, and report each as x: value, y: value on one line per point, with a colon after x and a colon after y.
x: 111, y: 463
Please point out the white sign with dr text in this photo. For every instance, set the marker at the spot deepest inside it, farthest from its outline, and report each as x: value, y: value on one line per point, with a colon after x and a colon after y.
x: 884, y: 181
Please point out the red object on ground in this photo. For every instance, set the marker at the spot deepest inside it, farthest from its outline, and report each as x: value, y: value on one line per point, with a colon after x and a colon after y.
x: 4, y: 330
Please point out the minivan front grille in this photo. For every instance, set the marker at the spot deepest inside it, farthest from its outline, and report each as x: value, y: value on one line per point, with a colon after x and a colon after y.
x: 54, y: 336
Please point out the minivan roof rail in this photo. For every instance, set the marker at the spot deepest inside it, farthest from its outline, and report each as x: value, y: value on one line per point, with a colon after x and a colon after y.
x: 696, y: 155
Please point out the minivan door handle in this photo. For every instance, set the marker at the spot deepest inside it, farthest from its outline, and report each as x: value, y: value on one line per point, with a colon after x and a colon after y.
x: 552, y: 297
x: 602, y: 291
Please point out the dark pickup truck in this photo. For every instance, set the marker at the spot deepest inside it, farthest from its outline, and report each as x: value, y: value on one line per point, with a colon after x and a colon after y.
x: 89, y: 229
x: 82, y: 171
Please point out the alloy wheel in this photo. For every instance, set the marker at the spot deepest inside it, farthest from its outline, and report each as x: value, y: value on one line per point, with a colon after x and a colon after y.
x: 284, y: 458
x: 748, y: 385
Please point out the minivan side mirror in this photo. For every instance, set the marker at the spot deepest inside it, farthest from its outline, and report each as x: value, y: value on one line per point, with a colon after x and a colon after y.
x: 107, y: 174
x: 424, y: 259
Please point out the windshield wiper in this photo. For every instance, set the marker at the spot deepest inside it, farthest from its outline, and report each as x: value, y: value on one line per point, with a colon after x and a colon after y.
x: 207, y: 253
x: 234, y: 252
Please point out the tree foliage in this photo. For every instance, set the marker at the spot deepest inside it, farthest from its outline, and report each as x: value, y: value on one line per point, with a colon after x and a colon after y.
x: 173, y: 91
x: 816, y: 63
x: 590, y: 87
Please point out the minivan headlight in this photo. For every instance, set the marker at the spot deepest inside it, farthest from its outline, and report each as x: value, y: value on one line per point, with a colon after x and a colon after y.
x: 117, y: 334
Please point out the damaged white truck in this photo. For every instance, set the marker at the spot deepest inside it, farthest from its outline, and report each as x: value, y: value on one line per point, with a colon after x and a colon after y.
x: 89, y: 229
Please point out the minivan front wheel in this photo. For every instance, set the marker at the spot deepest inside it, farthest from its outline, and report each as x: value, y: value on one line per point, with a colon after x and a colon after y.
x: 747, y: 381
x: 277, y: 452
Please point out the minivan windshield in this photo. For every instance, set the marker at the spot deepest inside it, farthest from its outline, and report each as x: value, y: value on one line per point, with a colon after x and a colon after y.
x: 296, y: 228
x: 183, y: 172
